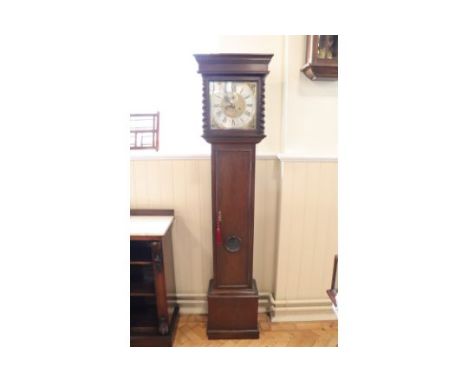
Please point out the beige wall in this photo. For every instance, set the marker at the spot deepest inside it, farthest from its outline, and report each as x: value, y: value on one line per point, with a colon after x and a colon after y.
x: 173, y: 87
x: 307, y: 238
x: 310, y: 107
x: 301, y: 115
x: 293, y: 254
x: 185, y: 186
x: 296, y: 196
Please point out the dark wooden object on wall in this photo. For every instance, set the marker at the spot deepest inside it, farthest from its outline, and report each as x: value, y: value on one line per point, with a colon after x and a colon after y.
x: 233, y: 87
x: 321, y: 57
x: 151, y: 279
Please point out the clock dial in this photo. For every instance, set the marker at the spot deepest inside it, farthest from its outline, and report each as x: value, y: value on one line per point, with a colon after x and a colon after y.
x: 233, y: 104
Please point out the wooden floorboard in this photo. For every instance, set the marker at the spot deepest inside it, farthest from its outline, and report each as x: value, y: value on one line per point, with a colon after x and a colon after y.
x: 191, y: 331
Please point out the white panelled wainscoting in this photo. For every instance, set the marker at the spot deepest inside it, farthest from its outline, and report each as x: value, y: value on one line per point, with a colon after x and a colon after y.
x: 295, y: 228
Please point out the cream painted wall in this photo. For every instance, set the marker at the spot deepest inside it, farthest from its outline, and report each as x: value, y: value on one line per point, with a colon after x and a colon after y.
x: 308, y: 229
x: 295, y: 235
x: 301, y: 115
x: 185, y: 186
x: 167, y: 80
x: 308, y: 239
x: 296, y: 197
x: 310, y: 107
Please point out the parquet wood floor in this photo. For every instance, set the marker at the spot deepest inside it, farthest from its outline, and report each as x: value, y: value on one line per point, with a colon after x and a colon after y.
x: 191, y: 331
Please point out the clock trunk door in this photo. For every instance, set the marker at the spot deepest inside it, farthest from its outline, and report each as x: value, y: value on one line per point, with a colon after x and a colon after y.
x: 233, y: 188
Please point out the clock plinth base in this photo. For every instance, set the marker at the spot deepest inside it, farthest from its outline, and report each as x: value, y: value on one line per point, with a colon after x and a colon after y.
x: 232, y: 313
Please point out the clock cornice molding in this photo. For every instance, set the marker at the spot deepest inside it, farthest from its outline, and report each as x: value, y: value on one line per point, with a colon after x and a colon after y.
x: 233, y: 64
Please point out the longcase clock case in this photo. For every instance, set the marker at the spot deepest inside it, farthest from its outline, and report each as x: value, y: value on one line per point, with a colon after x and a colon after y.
x: 232, y: 293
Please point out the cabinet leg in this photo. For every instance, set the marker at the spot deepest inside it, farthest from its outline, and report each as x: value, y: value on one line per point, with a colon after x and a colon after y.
x: 160, y: 288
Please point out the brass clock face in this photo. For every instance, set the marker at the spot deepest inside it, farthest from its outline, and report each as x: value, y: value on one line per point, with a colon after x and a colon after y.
x: 233, y: 104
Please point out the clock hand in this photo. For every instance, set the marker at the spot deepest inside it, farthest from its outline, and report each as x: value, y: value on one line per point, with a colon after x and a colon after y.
x: 228, y: 102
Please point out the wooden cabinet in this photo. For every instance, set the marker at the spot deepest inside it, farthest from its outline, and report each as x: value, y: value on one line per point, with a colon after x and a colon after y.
x: 153, y: 320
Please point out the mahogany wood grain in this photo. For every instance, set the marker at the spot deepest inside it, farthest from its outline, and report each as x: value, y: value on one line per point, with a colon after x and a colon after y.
x: 234, y: 183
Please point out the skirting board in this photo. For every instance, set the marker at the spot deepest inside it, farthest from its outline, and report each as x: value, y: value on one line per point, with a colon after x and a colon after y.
x: 281, y: 311
x: 198, y: 304
x: 303, y: 313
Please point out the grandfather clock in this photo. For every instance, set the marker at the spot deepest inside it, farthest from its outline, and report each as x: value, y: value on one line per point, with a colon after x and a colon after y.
x: 233, y: 122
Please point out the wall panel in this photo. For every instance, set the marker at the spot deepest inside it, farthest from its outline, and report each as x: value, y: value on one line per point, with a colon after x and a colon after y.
x: 307, y: 234
x: 185, y: 186
x: 295, y: 228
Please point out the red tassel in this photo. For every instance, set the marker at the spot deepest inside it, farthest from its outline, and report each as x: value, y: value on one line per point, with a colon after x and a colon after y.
x: 219, y: 238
